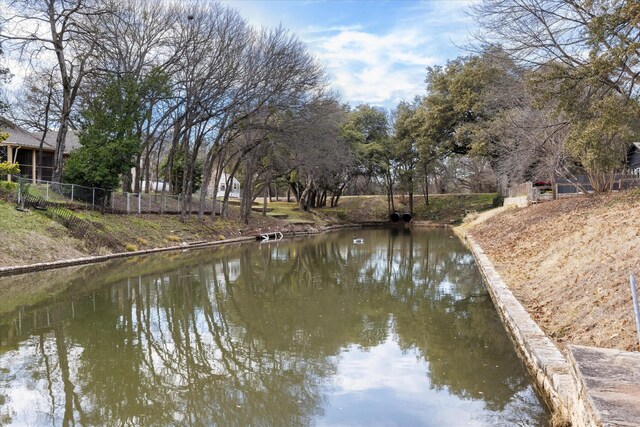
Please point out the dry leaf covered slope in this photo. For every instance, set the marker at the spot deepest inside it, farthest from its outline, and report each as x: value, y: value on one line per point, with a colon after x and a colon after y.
x: 568, y: 261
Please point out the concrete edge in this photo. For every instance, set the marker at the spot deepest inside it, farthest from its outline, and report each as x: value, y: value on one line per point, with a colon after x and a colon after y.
x: 582, y: 401
x: 30, y: 268
x: 549, y: 368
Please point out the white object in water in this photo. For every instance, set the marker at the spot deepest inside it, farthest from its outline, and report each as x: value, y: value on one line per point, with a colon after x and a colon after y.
x: 272, y: 236
x: 358, y: 241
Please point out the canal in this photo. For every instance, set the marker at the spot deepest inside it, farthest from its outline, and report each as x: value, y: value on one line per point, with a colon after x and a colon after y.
x: 396, y: 331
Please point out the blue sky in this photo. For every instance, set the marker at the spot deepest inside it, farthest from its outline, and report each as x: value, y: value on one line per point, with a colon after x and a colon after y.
x: 375, y: 52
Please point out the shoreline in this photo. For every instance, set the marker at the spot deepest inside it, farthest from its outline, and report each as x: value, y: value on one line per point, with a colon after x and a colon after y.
x: 548, y: 367
x: 309, y: 230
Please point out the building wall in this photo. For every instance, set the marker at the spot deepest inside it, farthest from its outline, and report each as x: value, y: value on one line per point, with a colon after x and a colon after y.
x: 634, y: 162
x: 219, y: 192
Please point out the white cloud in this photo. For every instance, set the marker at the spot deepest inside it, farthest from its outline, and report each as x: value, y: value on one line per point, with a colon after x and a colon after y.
x: 381, y: 69
x: 387, y: 66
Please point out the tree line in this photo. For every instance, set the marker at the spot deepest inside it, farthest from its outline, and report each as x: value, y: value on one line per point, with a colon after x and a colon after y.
x: 548, y: 90
x: 175, y: 92
x: 191, y: 94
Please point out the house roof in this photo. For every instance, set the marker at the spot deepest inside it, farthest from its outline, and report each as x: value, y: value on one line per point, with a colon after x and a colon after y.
x: 72, y: 141
x: 21, y: 137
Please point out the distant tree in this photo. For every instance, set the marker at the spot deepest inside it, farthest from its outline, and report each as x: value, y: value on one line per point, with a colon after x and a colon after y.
x: 177, y: 172
x: 599, y: 138
x: 367, y: 131
x: 4, y: 78
x: 110, y: 134
x: 594, y: 39
x: 37, y: 106
x: 406, y: 142
x: 584, y: 60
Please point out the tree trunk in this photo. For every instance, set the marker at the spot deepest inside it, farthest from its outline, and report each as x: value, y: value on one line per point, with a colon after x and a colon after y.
x: 247, y: 194
x: 303, y: 201
x: 411, y: 201
x: 139, y: 176
x: 426, y: 191
x: 58, y: 156
x: 264, y: 200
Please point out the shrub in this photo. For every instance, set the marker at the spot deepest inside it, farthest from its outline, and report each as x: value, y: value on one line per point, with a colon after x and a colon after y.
x: 141, y: 241
x: 173, y: 238
x: 498, y: 201
x: 7, y: 168
x: 130, y: 247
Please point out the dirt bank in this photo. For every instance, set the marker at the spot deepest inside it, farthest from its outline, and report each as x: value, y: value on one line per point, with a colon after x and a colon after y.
x: 568, y: 262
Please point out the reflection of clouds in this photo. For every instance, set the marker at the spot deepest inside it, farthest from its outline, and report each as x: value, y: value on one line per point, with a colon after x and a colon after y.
x: 383, y: 366
x: 25, y: 385
x: 386, y: 386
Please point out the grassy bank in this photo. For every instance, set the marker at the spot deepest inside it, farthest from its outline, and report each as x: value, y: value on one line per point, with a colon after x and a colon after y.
x: 31, y: 237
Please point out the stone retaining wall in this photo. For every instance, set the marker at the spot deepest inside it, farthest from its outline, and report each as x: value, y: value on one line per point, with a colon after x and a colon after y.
x: 549, y: 368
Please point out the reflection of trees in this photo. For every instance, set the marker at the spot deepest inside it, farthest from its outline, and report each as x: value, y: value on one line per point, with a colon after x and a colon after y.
x: 247, y: 335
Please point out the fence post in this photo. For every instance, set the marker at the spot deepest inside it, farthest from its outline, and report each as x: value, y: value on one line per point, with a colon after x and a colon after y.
x: 47, y: 193
x: 139, y: 202
x: 113, y: 203
x: 93, y: 196
x: 636, y: 309
x: 72, y: 192
x: 128, y: 203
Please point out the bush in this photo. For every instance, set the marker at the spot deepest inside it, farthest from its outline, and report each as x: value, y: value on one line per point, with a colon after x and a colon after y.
x: 130, y: 247
x: 7, y: 168
x: 498, y: 201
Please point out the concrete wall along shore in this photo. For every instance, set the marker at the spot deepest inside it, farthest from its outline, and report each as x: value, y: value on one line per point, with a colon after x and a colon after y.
x: 550, y: 370
x: 592, y: 387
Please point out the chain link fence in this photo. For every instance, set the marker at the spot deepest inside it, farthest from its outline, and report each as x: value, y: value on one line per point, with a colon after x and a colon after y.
x: 99, y: 199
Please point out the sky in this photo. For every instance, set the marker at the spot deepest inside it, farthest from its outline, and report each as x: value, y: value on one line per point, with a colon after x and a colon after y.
x: 374, y: 52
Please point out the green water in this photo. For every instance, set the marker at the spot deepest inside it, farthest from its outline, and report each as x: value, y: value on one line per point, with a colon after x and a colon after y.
x: 320, y: 331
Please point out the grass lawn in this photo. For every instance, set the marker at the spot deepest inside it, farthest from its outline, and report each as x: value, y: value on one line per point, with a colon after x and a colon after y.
x: 293, y: 213
x: 451, y: 207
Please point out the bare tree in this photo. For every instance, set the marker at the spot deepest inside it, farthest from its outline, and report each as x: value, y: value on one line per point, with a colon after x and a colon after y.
x: 136, y: 41
x: 54, y: 30
x: 38, y: 106
x: 582, y: 38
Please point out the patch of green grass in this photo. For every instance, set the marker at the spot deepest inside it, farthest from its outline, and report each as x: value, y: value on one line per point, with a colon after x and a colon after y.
x: 452, y: 207
x: 291, y: 210
x: 14, y: 222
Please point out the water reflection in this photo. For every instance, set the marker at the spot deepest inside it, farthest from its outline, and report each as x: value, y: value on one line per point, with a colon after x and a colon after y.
x: 397, y: 331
